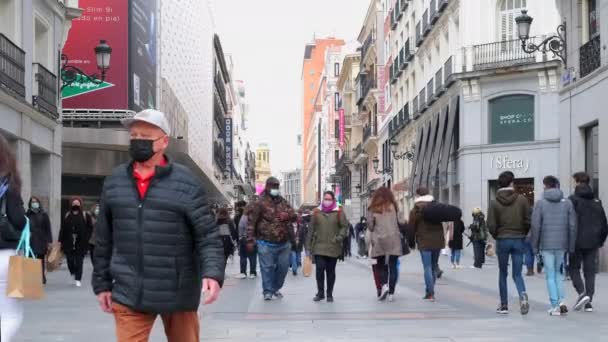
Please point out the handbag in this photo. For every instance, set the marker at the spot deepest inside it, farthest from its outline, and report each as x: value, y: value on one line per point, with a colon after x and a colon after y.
x: 8, y: 233
x: 24, y: 271
x: 307, y: 266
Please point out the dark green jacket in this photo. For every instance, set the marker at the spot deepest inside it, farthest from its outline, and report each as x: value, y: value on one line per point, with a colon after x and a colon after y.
x: 327, y: 233
x: 509, y: 215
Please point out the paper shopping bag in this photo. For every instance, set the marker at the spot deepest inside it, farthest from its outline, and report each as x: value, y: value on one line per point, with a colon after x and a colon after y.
x: 307, y: 266
x: 54, y: 257
x: 24, y: 278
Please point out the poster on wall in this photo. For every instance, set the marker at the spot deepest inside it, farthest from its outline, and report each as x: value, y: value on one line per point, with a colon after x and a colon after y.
x: 143, y: 25
x: 107, y: 21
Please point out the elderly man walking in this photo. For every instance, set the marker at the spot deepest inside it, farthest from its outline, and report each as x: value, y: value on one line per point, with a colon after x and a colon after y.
x: 157, y: 244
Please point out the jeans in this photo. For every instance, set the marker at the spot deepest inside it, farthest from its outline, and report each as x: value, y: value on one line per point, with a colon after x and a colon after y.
x: 430, y: 259
x: 11, y: 309
x: 75, y: 261
x: 529, y: 256
x: 456, y: 256
x: 554, y: 260
x: 479, y: 252
x: 514, y: 248
x: 245, y: 255
x: 388, y: 273
x: 274, y: 264
x: 325, y: 266
x: 586, y: 258
x: 295, y: 260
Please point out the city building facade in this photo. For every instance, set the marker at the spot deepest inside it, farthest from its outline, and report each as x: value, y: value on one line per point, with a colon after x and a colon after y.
x: 291, y: 187
x: 262, y: 167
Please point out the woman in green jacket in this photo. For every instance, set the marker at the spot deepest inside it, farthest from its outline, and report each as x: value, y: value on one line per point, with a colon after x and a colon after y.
x: 328, y: 230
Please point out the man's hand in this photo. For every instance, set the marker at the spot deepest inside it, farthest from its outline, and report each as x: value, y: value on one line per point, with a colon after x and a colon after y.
x: 211, y: 290
x: 105, y: 301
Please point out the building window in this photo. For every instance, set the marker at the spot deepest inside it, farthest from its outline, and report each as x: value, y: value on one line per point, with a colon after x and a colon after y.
x: 592, y: 156
x: 336, y: 156
x: 511, y: 119
x: 509, y: 10
x: 337, y: 129
x: 336, y: 69
x: 337, y: 101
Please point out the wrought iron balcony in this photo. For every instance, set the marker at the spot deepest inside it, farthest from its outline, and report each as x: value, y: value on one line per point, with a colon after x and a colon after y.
x: 408, y: 51
x: 434, y: 13
x: 419, y: 36
x: 502, y: 54
x: 404, y: 4
x: 422, y: 101
x: 439, y: 82
x: 590, y: 57
x: 426, y: 25
x: 443, y: 4
x: 12, y: 66
x: 367, y: 84
x: 392, y: 72
x: 399, y: 9
x: 220, y: 87
x: 415, y: 108
x: 405, y: 50
x: 448, y: 72
x: 367, y: 44
x: 400, y: 64
x: 45, y: 91
x: 430, y: 92
x: 369, y: 132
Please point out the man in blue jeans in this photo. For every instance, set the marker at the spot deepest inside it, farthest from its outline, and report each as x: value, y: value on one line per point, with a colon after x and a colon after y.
x: 269, y: 226
x: 509, y: 223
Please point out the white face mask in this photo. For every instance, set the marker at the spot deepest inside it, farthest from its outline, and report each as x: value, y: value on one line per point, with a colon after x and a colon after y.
x: 327, y: 203
x: 275, y: 192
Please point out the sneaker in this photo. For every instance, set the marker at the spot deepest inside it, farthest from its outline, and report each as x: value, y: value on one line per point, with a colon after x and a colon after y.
x: 588, y: 307
x: 391, y: 298
x: 330, y: 299
x: 439, y: 274
x: 563, y: 308
x: 384, y: 292
x: 530, y: 272
x: 78, y: 283
x: 502, y: 310
x: 318, y: 298
x: 429, y: 297
x: 267, y: 296
x: 453, y: 266
x: 581, y: 302
x: 278, y: 295
x: 524, y: 305
x: 252, y: 276
x: 555, y: 311
x: 295, y: 273
x: 241, y: 276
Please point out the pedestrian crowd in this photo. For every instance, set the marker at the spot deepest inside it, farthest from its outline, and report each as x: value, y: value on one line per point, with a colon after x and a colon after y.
x: 159, y: 246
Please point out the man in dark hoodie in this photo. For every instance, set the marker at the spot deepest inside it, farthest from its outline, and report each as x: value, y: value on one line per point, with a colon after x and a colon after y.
x: 509, y: 223
x: 591, y: 235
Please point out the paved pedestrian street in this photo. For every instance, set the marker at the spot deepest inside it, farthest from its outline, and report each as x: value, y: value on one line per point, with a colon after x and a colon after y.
x: 464, y: 311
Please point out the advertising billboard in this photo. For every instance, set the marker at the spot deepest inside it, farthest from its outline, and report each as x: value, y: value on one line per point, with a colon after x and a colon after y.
x: 228, y: 147
x: 143, y: 24
x: 107, y: 21
x: 342, y: 127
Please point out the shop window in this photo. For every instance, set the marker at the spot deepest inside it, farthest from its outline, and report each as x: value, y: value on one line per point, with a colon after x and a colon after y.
x: 592, y: 156
x: 511, y: 119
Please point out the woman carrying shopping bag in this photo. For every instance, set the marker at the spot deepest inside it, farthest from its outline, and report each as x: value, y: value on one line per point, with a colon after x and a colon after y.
x: 12, y: 222
x: 329, y: 228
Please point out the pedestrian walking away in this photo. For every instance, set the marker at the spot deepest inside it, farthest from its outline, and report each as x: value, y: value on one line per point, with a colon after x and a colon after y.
x: 592, y: 230
x: 328, y: 230
x: 384, y: 239
x: 269, y: 225
x: 41, y: 235
x: 479, y: 235
x: 298, y: 246
x: 94, y: 218
x: 509, y: 224
x: 12, y: 222
x: 157, y: 246
x: 74, y: 236
x: 456, y: 243
x: 245, y: 255
x: 553, y: 235
x: 228, y: 232
x: 429, y: 238
x: 360, y: 231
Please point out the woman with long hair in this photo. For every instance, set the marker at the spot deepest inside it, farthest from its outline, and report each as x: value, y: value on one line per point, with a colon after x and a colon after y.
x: 40, y: 226
x: 228, y: 232
x: 328, y: 230
x: 74, y: 236
x: 12, y: 222
x: 384, y: 237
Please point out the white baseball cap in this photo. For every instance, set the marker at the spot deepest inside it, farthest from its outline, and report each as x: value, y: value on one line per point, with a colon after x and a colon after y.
x: 151, y: 116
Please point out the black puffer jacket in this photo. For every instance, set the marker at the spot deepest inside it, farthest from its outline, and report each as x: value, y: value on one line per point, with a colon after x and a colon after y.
x: 16, y: 216
x: 591, y: 218
x: 152, y: 253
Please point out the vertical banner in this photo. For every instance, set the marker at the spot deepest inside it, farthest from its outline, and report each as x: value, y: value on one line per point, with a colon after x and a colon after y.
x: 228, y: 147
x: 342, y: 124
x: 381, y: 85
x: 108, y: 21
x: 142, y: 54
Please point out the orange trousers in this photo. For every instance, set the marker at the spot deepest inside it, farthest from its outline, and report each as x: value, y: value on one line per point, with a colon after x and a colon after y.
x: 133, y: 326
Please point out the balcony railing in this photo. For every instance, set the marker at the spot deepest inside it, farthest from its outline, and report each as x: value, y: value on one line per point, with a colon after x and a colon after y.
x: 367, y: 44
x: 419, y: 37
x: 443, y: 4
x: 403, y: 5
x: 367, y: 85
x: 426, y: 25
x: 448, y: 72
x: 430, y: 92
x: 590, y: 58
x: 501, y: 55
x: 415, y: 108
x: 399, y: 9
x: 218, y: 113
x: 422, y: 100
x: 439, y: 82
x: 368, y: 132
x: 408, y: 51
x: 12, y: 66
x: 403, y: 55
x: 221, y: 90
x: 434, y: 12
x: 45, y: 91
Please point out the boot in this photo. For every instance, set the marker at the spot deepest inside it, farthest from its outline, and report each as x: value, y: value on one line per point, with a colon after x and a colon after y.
x: 530, y: 271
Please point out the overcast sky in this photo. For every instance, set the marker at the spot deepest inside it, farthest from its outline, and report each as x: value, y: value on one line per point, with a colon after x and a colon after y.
x: 266, y: 39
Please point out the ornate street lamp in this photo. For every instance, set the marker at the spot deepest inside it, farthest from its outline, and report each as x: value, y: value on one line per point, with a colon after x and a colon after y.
x: 409, y: 155
x: 386, y: 171
x: 555, y: 44
x: 358, y: 188
x: 70, y: 73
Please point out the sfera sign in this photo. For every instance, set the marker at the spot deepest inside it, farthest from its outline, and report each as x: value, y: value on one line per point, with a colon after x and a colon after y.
x: 504, y: 162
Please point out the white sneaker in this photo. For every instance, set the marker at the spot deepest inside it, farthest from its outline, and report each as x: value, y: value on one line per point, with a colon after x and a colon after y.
x: 555, y: 311
x: 391, y: 298
x: 78, y: 283
x: 241, y: 276
x: 252, y: 276
x: 383, y: 293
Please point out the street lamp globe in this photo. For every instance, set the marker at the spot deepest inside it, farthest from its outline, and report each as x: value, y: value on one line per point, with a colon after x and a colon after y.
x: 524, y: 21
x: 375, y: 162
x: 394, y: 146
x: 103, y: 51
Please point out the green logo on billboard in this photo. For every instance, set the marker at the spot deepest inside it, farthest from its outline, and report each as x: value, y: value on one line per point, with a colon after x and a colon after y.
x: 82, y: 85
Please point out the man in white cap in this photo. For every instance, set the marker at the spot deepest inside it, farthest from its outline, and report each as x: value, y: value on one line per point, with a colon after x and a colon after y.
x: 156, y: 240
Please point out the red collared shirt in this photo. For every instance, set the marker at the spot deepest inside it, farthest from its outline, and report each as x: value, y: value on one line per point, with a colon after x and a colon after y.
x: 143, y: 183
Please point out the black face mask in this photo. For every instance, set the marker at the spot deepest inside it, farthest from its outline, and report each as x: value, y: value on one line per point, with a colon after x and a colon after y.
x: 75, y: 208
x: 141, y: 150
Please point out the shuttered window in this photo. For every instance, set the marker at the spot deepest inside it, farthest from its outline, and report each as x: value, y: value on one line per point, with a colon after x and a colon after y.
x: 509, y: 10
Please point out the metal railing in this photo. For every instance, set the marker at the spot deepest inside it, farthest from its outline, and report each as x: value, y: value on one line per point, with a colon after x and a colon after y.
x: 415, y: 108
x: 368, y: 132
x: 430, y: 92
x: 368, y: 84
x: 408, y: 52
x: 367, y: 44
x: 590, y: 56
x: 448, y: 72
x: 501, y: 54
x: 443, y: 4
x: 422, y: 100
x: 218, y: 114
x: 12, y: 66
x: 45, y: 93
x: 434, y: 12
x: 221, y: 90
x: 439, y: 82
x: 426, y: 25
x: 419, y: 36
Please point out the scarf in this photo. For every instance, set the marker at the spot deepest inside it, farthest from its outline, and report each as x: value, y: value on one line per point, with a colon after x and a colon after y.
x: 329, y: 209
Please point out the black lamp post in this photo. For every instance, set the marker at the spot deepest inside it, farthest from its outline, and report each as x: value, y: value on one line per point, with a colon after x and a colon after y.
x: 555, y: 44
x: 70, y: 73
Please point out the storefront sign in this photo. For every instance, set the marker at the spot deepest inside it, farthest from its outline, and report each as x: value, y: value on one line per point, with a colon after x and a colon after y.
x: 342, y: 125
x: 505, y: 162
x: 228, y: 147
x: 512, y: 119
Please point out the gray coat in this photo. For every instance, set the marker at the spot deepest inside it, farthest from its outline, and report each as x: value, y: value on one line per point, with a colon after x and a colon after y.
x: 384, y: 234
x: 243, y: 227
x: 553, y: 223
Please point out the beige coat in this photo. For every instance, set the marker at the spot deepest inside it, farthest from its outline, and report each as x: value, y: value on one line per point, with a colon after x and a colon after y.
x: 384, y: 236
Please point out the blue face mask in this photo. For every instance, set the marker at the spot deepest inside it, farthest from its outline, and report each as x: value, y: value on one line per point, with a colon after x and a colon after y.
x: 35, y: 205
x: 275, y: 192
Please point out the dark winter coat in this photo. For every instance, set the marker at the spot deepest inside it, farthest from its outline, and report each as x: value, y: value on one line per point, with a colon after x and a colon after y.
x: 592, y: 227
x: 40, y: 228
x: 509, y: 215
x: 265, y: 222
x: 458, y: 230
x: 75, y: 233
x: 153, y: 253
x: 301, y: 232
x: 553, y: 223
x: 479, y: 229
x: 16, y: 216
x: 427, y: 235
